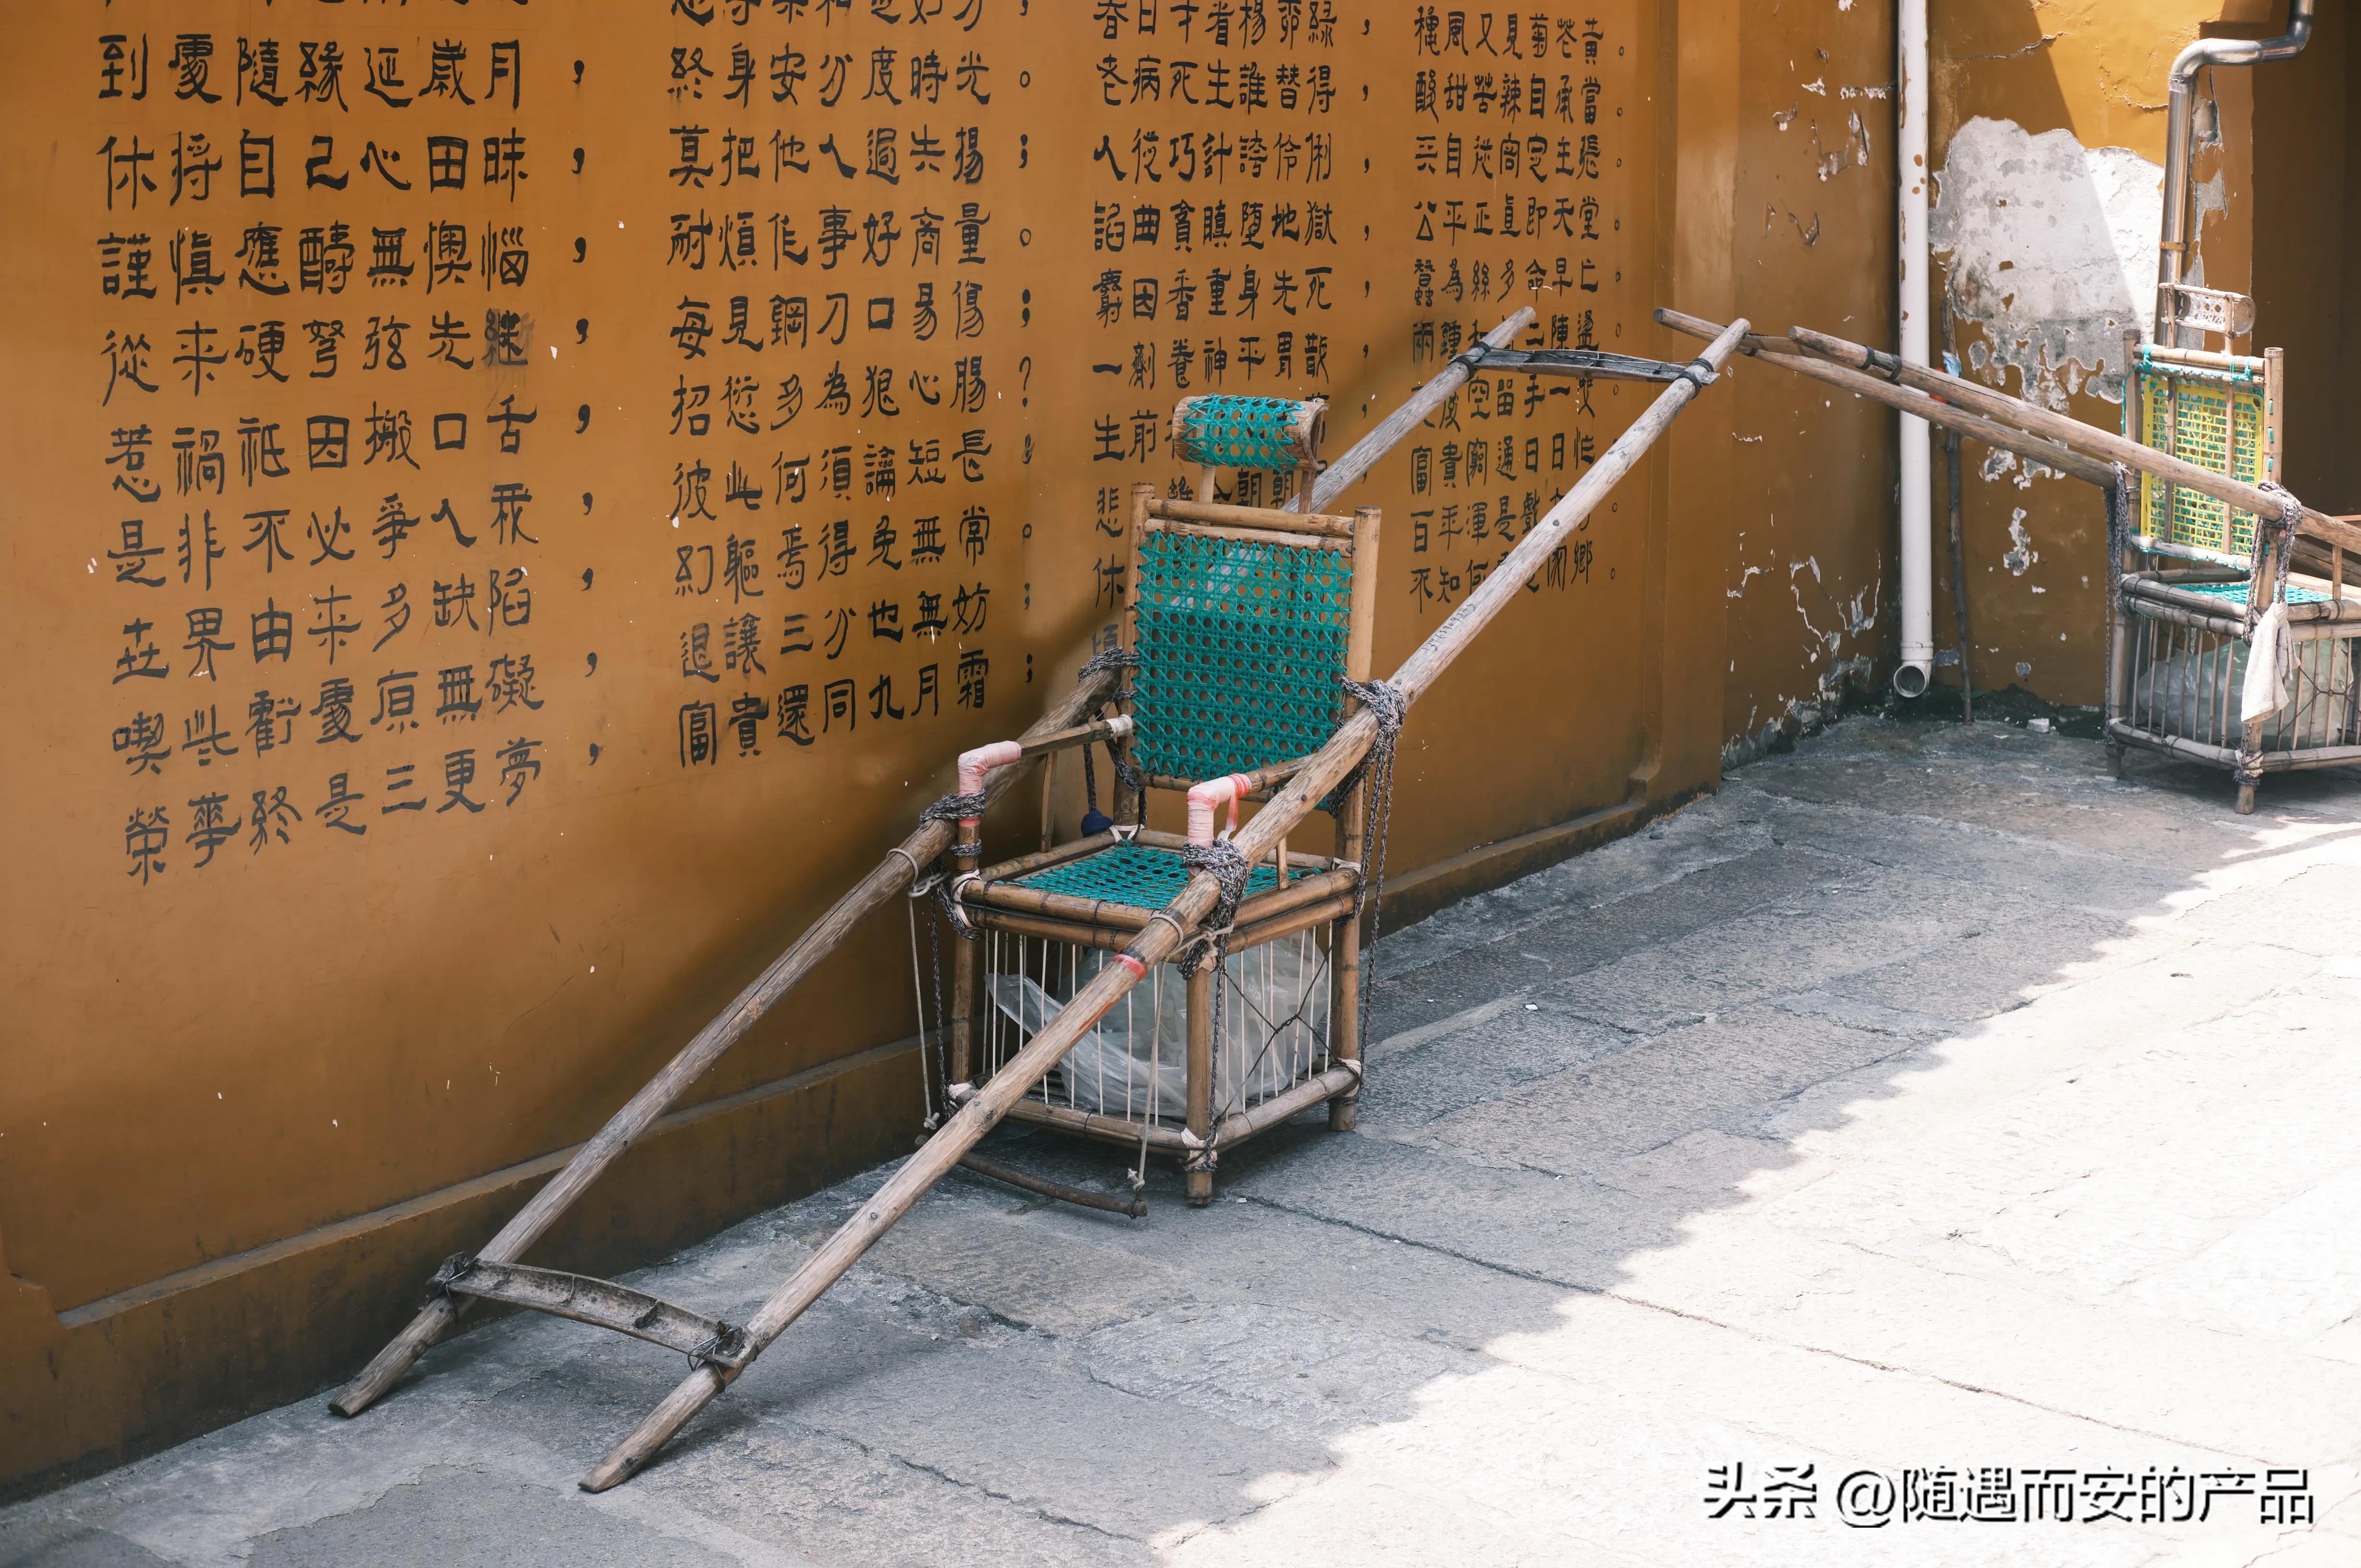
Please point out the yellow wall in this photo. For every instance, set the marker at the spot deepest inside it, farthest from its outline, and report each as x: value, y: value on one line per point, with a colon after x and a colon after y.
x: 2061, y: 104
x: 258, y: 1085
x: 1810, y: 553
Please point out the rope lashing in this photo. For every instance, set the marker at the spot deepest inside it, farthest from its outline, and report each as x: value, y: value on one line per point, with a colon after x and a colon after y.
x: 1697, y: 374
x: 1389, y: 704
x: 2290, y: 509
x: 1104, y: 660
x: 1889, y: 366
x: 947, y: 892
x: 721, y: 1349
x: 1227, y: 862
x: 458, y: 1263
x: 2291, y: 518
x: 1100, y: 663
x: 953, y: 807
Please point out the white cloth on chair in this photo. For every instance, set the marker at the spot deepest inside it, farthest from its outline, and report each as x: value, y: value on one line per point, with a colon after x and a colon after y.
x: 2270, y: 667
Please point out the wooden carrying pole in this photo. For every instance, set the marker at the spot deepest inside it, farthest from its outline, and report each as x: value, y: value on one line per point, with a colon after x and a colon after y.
x: 1932, y: 409
x: 2039, y: 433
x: 892, y: 876
x: 1364, y: 454
x: 2101, y: 443
x: 1319, y: 774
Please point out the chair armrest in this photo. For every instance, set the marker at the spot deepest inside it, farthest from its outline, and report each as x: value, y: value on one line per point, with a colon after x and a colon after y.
x: 1206, y: 797
x: 976, y: 766
x: 1108, y: 730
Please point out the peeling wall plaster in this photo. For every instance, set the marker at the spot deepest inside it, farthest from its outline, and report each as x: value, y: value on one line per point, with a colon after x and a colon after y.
x: 2021, y: 553
x: 2050, y: 248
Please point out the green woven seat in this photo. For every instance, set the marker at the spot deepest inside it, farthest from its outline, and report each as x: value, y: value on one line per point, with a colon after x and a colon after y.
x: 1138, y: 874
x: 2235, y: 593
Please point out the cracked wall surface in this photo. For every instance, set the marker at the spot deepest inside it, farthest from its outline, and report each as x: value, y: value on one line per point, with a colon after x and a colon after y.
x: 1807, y: 568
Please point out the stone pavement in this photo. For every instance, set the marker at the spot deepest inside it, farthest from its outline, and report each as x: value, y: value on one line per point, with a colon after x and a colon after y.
x: 1926, y: 1100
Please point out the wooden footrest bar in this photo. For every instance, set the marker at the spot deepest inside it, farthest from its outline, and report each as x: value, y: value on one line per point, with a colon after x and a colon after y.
x: 598, y: 1301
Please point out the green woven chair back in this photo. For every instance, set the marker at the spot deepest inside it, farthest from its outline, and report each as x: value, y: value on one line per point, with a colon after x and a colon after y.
x: 1241, y: 647
x: 2213, y: 418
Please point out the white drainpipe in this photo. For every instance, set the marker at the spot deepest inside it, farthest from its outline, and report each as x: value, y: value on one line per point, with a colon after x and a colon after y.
x: 1911, y: 296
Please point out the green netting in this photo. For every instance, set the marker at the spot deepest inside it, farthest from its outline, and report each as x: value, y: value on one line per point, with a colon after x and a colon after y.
x: 1238, y: 432
x: 2235, y: 593
x: 1241, y: 647
x: 2194, y: 414
x: 1137, y: 874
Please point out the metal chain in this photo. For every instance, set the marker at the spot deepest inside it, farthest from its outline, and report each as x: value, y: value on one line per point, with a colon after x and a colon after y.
x: 1227, y: 862
x: 1391, y: 704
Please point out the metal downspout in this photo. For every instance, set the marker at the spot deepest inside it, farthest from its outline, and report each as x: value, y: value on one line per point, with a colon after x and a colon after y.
x: 2181, y: 110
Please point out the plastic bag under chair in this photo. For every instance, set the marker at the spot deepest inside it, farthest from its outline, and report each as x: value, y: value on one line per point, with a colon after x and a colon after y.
x: 2184, y: 695
x: 1135, y: 1062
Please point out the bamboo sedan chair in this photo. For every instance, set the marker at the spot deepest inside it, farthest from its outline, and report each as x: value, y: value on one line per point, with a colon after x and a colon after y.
x: 1244, y: 625
x: 2200, y: 587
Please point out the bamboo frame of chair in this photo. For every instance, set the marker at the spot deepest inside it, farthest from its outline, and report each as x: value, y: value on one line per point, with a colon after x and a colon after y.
x: 1320, y: 774
x: 2318, y: 543
x: 995, y: 904
x: 900, y: 870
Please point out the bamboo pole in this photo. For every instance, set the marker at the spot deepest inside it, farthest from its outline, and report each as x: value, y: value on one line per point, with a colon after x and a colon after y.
x: 1320, y: 774
x: 1264, y: 536
x: 891, y: 876
x: 2103, y: 444
x: 1197, y: 1175
x: 1258, y: 518
x: 1118, y: 1130
x: 986, y: 1108
x: 1365, y: 454
x: 1352, y: 843
x: 1335, y: 1086
x: 1134, y: 1206
x: 1934, y: 411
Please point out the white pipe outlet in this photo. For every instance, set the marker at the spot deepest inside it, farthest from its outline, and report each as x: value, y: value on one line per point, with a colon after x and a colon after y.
x: 1912, y: 298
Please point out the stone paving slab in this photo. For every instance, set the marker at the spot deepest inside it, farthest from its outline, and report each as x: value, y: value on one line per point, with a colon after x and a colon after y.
x: 1924, y: 1100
